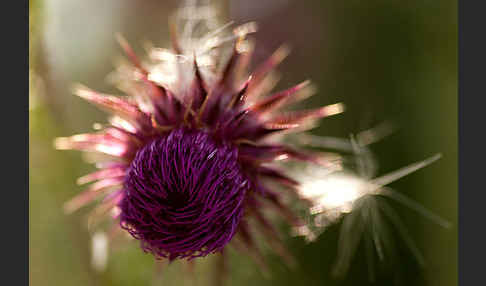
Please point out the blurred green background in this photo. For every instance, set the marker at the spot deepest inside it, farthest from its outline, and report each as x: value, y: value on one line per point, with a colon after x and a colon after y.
x: 385, y: 59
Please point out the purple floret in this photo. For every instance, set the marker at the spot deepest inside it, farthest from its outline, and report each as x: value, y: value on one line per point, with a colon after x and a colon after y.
x: 184, y: 195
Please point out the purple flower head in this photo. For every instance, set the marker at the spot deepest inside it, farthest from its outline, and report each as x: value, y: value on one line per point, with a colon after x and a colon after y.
x: 190, y: 161
x: 184, y: 195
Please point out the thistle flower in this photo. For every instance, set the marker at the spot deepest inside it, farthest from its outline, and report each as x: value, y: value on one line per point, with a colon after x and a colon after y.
x: 359, y: 201
x: 191, y: 154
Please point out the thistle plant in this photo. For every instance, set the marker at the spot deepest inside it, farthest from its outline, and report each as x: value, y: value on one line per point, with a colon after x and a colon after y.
x: 197, y: 153
x: 361, y: 202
